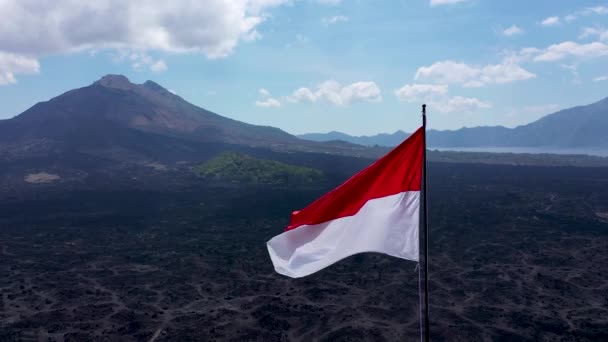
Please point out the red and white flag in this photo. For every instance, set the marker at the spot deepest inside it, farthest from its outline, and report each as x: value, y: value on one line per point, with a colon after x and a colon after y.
x: 377, y: 210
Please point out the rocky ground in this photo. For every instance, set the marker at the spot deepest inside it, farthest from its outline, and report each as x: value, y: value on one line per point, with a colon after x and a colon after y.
x: 517, y: 254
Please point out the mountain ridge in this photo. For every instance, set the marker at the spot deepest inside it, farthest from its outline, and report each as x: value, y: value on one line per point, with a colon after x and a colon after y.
x: 577, y: 127
x: 146, y: 107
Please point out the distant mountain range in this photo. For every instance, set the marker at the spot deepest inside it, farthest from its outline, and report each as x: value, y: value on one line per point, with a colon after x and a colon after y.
x: 578, y: 127
x: 382, y: 139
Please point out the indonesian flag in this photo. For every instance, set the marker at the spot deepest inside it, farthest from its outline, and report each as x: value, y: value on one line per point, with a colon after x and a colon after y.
x: 377, y: 210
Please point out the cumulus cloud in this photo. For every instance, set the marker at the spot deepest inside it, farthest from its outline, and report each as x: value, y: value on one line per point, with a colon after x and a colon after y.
x: 597, y: 10
x: 212, y: 28
x: 447, y: 72
x: 513, y: 30
x: 597, y: 32
x: 459, y: 104
x: 303, y: 95
x: 601, y: 10
x: 569, y: 51
x: 437, y: 97
x: 444, y: 2
x: 420, y: 92
x: 600, y: 79
x: 140, y: 61
x: 562, y: 50
x: 550, y: 21
x: 524, y: 55
x: 13, y: 64
x: 264, y: 92
x: 334, y: 20
x: 450, y: 72
x: 269, y: 102
x: 334, y: 93
x: 158, y: 66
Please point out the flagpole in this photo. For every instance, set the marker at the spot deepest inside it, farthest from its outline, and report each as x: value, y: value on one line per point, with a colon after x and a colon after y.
x: 425, y: 245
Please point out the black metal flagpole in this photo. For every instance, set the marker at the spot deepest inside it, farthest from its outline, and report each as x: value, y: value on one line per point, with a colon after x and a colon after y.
x: 424, y: 225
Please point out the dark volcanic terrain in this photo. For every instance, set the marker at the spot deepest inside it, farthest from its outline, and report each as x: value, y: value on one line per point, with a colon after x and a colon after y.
x: 518, y: 253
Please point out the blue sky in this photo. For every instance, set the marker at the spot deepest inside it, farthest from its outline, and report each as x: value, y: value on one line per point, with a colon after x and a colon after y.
x: 360, y: 67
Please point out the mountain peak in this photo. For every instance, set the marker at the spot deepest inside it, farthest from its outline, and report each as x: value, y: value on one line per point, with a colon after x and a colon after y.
x: 154, y: 86
x: 115, y: 81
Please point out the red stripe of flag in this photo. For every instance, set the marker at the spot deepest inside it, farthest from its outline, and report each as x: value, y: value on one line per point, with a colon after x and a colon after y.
x: 400, y: 170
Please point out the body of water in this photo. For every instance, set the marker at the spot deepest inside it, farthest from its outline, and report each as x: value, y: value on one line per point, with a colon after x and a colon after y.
x: 534, y: 150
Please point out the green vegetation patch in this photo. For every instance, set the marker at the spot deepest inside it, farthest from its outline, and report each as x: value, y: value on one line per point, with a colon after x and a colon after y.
x: 240, y: 168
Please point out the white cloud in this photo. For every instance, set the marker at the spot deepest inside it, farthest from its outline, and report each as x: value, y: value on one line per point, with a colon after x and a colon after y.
x: 450, y: 72
x: 562, y: 50
x: 512, y: 31
x: 139, y: 60
x: 437, y: 97
x: 420, y: 92
x: 211, y: 27
x: 601, y: 10
x: 333, y: 92
x: 444, y: 2
x: 599, y: 32
x: 523, y: 55
x: 158, y: 66
x: 597, y: 10
x: 459, y: 104
x: 264, y: 92
x: 550, y: 21
x: 600, y: 79
x: 568, y: 51
x: 14, y: 64
x: 269, y: 103
x: 303, y: 95
x: 334, y: 20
